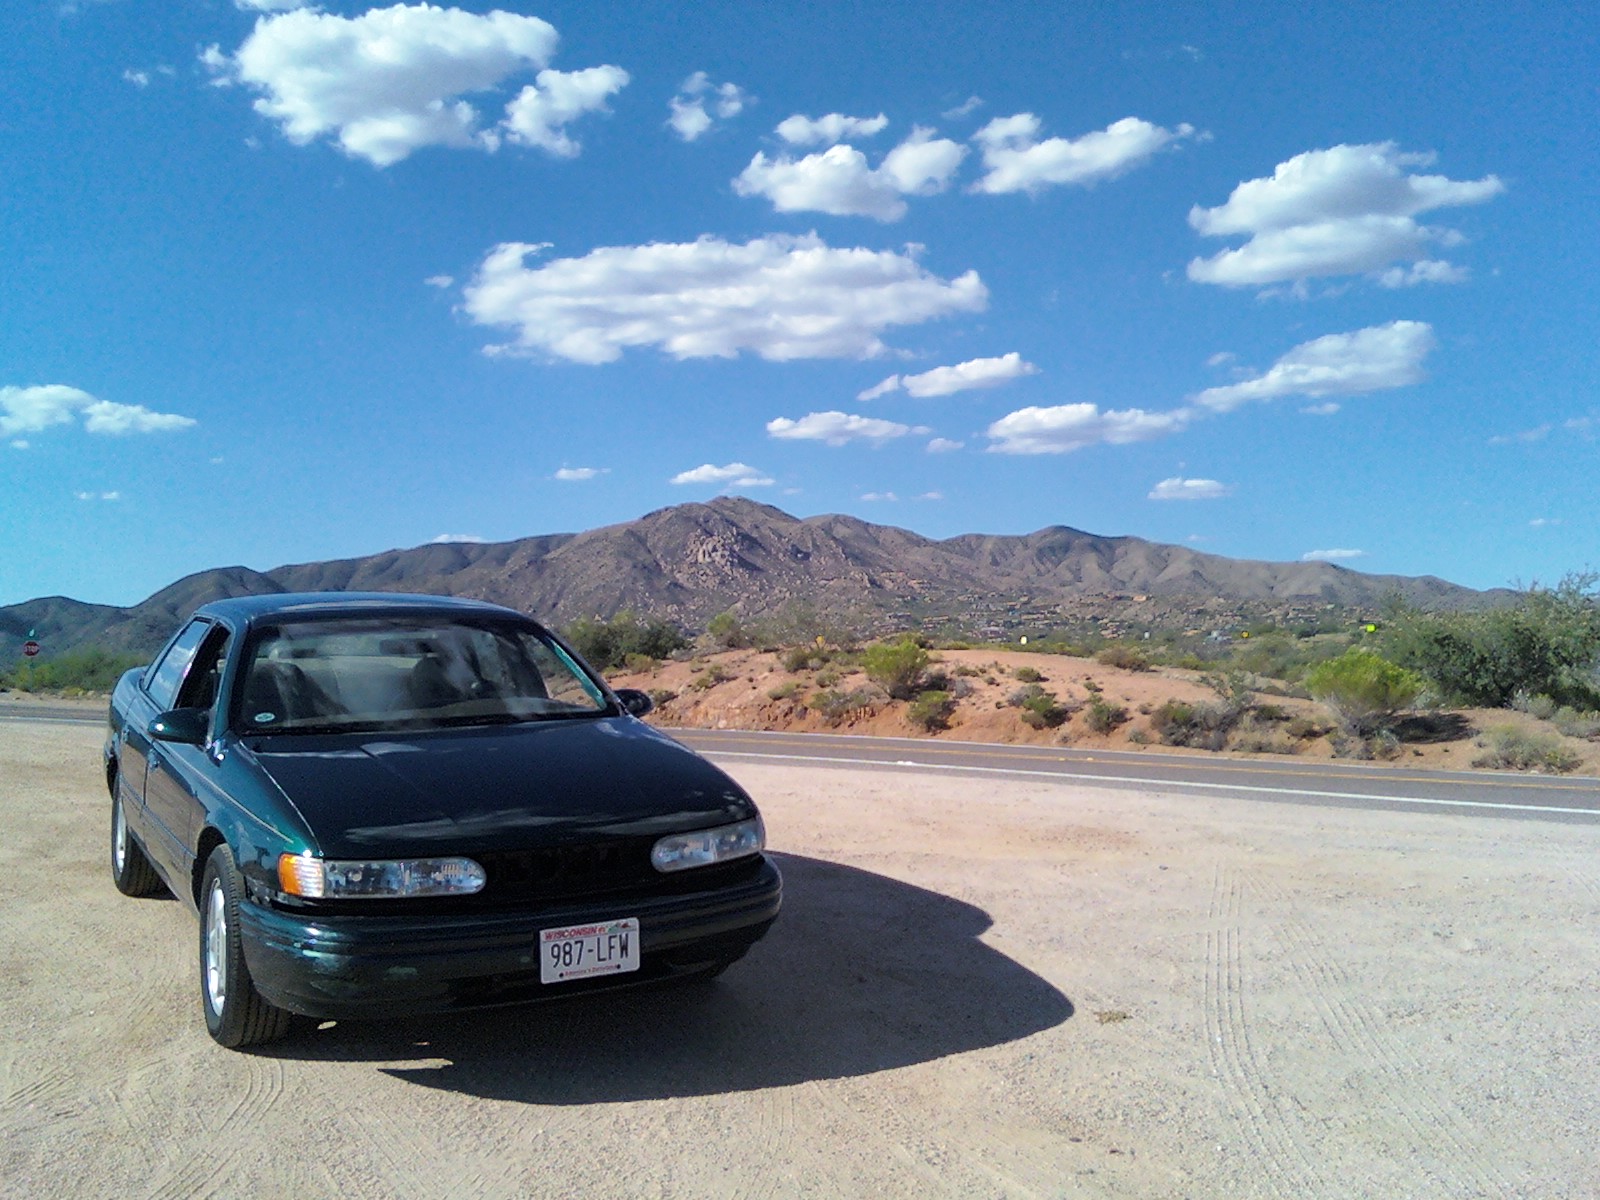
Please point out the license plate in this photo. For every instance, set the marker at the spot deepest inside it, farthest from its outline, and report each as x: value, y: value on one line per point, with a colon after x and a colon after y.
x: 584, y: 951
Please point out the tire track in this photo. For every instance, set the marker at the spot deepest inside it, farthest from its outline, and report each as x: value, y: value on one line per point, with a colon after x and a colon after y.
x: 1432, y: 1126
x: 201, y: 1176
x: 1265, y: 1116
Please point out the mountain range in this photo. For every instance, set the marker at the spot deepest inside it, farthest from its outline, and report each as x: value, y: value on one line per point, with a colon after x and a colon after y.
x: 689, y: 562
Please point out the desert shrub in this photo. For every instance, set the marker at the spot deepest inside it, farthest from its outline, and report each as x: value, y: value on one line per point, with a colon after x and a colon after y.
x: 1508, y: 748
x: 967, y: 671
x: 1028, y: 675
x: 784, y: 690
x: 829, y: 676
x: 897, y: 667
x: 1124, y: 657
x: 1272, y: 712
x: 1576, y: 724
x: 86, y: 669
x: 1363, y: 689
x: 727, y: 631
x: 1307, y: 727
x: 931, y: 710
x: 1545, y: 643
x: 1200, y: 726
x: 1257, y: 739
x: 835, y: 706
x: 1540, y: 707
x: 607, y: 644
x: 960, y: 689
x: 640, y: 663
x: 806, y: 658
x: 662, y: 695
x: 1103, y: 716
x: 1139, y: 737
x: 709, y: 678
x: 1040, y: 709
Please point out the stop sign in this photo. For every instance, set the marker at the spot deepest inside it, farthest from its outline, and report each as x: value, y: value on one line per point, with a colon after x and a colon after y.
x: 30, y: 648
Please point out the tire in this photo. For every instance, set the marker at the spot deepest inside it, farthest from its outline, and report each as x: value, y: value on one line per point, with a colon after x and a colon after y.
x: 130, y: 869
x: 236, y: 1015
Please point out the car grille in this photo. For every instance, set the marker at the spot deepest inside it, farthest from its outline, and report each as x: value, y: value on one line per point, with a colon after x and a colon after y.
x: 580, y: 869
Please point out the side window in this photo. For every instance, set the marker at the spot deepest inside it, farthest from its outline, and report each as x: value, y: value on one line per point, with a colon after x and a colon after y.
x: 164, y: 678
x: 200, y: 685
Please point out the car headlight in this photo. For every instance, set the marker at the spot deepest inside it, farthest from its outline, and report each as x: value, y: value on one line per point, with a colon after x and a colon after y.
x: 330, y: 879
x: 681, y: 851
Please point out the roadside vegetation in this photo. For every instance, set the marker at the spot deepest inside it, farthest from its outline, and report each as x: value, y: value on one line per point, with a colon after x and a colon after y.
x: 76, y: 673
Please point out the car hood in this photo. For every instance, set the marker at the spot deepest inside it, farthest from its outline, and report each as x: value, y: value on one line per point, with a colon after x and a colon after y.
x: 462, y: 790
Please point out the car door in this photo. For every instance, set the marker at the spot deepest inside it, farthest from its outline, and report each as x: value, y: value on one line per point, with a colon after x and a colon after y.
x: 179, y: 774
x: 155, y: 693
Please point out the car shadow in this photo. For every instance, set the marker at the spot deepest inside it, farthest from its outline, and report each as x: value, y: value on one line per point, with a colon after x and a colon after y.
x: 861, y: 973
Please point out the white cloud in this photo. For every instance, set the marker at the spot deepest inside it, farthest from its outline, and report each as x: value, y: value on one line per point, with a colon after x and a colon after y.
x: 1542, y: 522
x: 700, y: 103
x: 389, y: 81
x: 1347, y: 210
x: 111, y: 496
x: 735, y: 474
x: 800, y: 130
x: 778, y: 297
x: 1331, y: 555
x: 20, y: 443
x: 542, y: 110
x: 837, y: 428
x: 35, y: 409
x: 965, y: 109
x: 451, y: 539
x: 1069, y: 427
x: 931, y: 496
x: 889, y: 496
x: 440, y: 281
x: 139, y: 79
x: 1222, y: 358
x: 941, y: 445
x: 1189, y: 489
x: 270, y: 6
x: 1537, y: 434
x: 891, y: 384
x: 839, y: 182
x: 1017, y: 162
x: 1321, y: 410
x: 971, y: 375
x: 1340, y: 364
x: 579, y: 474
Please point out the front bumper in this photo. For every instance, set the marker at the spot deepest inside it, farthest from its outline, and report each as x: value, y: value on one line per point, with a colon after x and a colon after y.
x: 351, y: 967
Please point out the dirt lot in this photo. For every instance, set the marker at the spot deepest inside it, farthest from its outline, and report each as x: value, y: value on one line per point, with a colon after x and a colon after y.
x: 990, y: 990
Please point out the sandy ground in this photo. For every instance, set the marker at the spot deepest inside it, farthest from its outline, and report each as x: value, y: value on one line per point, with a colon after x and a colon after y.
x: 974, y: 990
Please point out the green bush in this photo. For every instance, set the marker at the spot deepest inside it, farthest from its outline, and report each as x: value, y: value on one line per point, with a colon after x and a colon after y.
x: 607, y: 644
x: 639, y: 663
x: 1199, y: 726
x: 1363, y: 689
x: 1545, y: 643
x: 784, y: 690
x: 1028, y: 675
x: 726, y: 630
x: 931, y: 710
x: 86, y: 669
x: 1508, y: 748
x: 1124, y: 657
x: 709, y: 678
x: 1040, y: 709
x: 1576, y: 724
x: 897, y: 667
x: 662, y: 695
x: 836, y: 706
x: 1103, y: 716
x: 806, y: 657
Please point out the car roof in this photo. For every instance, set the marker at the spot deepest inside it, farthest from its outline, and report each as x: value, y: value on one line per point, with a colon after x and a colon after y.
x: 253, y: 610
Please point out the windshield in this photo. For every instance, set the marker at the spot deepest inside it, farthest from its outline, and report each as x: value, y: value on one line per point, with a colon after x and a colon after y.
x: 407, y: 672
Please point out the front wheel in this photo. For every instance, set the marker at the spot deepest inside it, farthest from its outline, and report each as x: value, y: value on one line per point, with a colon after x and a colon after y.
x: 236, y: 1015
x: 130, y: 869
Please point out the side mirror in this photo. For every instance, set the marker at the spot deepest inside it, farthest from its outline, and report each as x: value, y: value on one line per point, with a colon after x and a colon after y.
x: 191, y: 726
x: 635, y: 702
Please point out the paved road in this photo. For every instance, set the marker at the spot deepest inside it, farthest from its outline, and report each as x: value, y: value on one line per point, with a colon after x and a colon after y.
x: 1344, y: 785
x: 1296, y: 781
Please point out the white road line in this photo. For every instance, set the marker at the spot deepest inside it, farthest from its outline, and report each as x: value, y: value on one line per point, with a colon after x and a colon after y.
x: 1165, y: 784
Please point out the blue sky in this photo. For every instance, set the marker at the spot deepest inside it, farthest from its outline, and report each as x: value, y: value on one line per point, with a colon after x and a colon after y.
x: 293, y: 283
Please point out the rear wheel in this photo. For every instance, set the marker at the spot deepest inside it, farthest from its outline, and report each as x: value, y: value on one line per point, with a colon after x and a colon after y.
x: 236, y: 1015
x: 130, y: 869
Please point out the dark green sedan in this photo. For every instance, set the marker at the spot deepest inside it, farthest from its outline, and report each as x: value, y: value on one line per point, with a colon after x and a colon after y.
x: 387, y: 805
